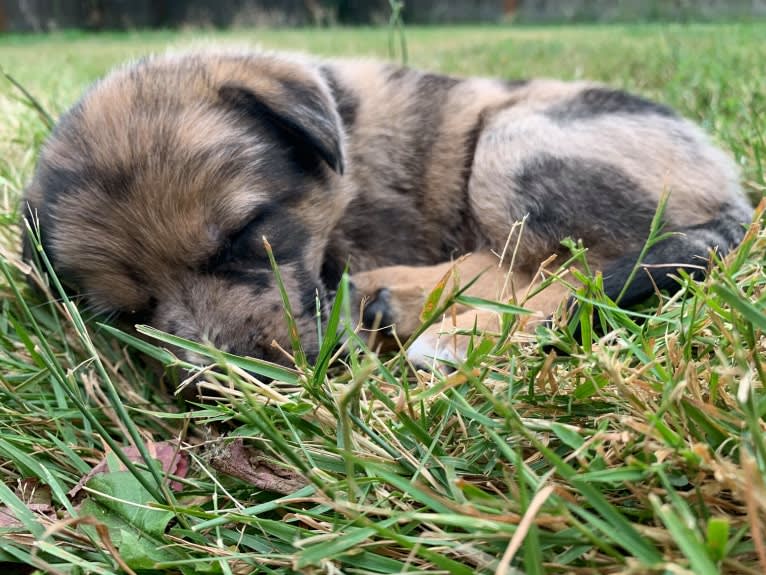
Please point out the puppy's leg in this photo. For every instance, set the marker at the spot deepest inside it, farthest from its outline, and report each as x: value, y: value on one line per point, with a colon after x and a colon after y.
x: 447, y: 341
x: 393, y: 298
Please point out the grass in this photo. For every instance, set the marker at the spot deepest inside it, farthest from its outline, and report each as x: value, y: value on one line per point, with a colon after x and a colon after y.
x: 644, y: 452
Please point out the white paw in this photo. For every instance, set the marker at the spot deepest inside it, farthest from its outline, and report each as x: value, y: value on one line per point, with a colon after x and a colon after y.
x: 438, y: 351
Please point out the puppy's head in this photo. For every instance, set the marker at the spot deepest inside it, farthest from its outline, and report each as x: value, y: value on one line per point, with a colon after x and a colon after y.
x: 154, y: 194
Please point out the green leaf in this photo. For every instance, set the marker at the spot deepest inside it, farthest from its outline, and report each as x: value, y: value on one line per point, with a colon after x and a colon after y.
x: 161, y: 355
x: 295, y: 339
x: 332, y: 332
x: 567, y: 435
x: 315, y: 554
x: 688, y: 541
x: 121, y: 503
x: 717, y: 537
x: 258, y: 366
x: 617, y: 475
x: 489, y: 305
x: 740, y: 303
x: 614, y: 523
x: 419, y: 494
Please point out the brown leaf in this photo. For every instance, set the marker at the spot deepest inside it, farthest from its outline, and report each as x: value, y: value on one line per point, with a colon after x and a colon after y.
x: 173, y: 462
x: 251, y: 466
x: 35, y: 495
x: 8, y: 518
x: 33, y: 492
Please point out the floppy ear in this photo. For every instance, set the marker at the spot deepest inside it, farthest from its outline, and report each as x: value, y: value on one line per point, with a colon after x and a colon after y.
x: 305, y: 113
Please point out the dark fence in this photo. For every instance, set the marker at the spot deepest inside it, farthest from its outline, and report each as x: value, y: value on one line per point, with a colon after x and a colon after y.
x: 638, y: 10
x: 46, y: 15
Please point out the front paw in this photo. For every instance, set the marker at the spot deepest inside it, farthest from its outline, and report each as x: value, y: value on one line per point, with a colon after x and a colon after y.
x: 438, y: 351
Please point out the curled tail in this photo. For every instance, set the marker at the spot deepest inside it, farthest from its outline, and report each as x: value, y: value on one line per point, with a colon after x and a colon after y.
x: 689, y: 250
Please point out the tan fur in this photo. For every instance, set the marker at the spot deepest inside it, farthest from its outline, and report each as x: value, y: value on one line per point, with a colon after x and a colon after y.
x: 482, y: 275
x: 155, y: 191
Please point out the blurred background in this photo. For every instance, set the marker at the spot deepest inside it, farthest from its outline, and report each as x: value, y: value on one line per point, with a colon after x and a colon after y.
x: 50, y: 15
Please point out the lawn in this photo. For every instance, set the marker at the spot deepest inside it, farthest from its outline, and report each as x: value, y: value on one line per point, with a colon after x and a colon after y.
x: 642, y: 452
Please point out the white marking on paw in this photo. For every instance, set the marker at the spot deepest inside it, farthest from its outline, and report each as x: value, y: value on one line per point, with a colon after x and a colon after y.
x: 437, y: 352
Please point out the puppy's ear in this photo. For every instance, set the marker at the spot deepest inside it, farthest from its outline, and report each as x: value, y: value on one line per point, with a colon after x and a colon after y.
x: 305, y: 113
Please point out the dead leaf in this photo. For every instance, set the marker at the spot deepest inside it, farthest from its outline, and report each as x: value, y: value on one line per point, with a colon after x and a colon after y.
x: 251, y: 466
x: 171, y: 458
x: 8, y: 518
x: 36, y: 497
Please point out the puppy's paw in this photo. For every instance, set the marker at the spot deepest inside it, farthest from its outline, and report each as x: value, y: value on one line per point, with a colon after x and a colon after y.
x: 438, y: 351
x: 445, y: 347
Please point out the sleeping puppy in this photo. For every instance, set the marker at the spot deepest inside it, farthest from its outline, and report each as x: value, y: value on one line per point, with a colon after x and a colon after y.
x: 155, y: 191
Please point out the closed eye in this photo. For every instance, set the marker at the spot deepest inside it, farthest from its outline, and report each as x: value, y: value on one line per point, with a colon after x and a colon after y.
x: 139, y: 314
x: 242, y: 245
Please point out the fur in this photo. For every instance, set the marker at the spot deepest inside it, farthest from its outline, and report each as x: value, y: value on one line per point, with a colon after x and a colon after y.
x: 155, y: 190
